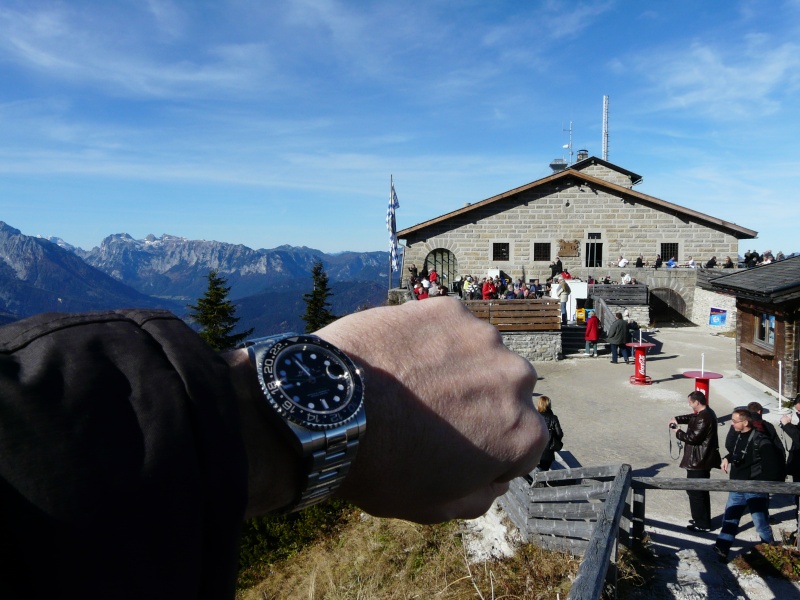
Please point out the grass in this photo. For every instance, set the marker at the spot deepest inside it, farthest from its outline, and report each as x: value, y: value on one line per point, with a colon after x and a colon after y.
x: 370, y: 558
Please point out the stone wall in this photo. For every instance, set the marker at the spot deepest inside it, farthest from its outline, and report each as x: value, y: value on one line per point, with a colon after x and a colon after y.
x: 638, y: 313
x: 704, y: 301
x: 535, y: 346
x: 552, y: 213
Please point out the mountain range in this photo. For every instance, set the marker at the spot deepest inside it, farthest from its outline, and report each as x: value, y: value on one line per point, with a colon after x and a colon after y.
x: 267, y: 285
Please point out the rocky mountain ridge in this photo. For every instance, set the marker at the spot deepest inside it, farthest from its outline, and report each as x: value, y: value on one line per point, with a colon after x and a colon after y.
x: 40, y: 274
x: 174, y: 267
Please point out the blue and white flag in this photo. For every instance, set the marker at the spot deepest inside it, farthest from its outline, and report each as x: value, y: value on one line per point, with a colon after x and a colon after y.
x: 391, y: 226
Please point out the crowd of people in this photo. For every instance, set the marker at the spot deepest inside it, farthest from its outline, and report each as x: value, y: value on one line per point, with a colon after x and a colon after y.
x: 426, y: 283
x: 753, y: 259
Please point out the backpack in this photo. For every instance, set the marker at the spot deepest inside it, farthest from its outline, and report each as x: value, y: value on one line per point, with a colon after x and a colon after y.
x: 755, y: 471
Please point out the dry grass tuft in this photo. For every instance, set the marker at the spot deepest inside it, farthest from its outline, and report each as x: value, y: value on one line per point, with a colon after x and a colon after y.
x: 370, y: 558
x: 768, y: 560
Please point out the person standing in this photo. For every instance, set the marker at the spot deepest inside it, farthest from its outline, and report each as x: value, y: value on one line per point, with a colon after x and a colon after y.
x: 563, y: 291
x: 617, y: 338
x: 488, y: 290
x: 544, y: 406
x: 754, y: 458
x: 792, y: 431
x: 592, y: 333
x: 700, y: 455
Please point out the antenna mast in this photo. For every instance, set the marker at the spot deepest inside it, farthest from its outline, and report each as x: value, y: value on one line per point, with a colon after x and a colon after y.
x: 570, y: 142
x: 605, y: 128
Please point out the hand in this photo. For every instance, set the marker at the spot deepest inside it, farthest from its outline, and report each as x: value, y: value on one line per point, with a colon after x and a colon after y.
x: 725, y: 465
x: 449, y: 422
x: 786, y: 419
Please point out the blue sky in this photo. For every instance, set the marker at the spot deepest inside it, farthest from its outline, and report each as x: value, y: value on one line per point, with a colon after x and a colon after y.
x: 266, y: 123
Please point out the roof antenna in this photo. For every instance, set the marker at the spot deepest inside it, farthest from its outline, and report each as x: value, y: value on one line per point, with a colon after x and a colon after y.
x: 605, y: 128
x: 570, y: 142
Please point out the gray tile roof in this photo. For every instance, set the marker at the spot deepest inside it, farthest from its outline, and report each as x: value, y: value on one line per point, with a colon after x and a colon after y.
x: 775, y: 283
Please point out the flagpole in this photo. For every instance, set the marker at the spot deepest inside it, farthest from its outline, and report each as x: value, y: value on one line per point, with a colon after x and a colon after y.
x: 391, y: 188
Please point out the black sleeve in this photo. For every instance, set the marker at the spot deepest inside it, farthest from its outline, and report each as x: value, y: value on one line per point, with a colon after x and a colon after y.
x: 793, y: 433
x: 730, y: 440
x: 122, y: 469
x: 557, y: 431
x: 770, y: 464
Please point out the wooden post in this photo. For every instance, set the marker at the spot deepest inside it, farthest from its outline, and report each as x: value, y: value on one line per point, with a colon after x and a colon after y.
x: 638, y: 514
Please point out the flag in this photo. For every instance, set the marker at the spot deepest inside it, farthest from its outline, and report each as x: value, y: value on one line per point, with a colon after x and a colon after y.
x: 391, y: 226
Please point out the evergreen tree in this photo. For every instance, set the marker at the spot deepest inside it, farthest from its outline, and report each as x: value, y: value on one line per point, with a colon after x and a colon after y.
x: 216, y: 315
x: 318, y: 312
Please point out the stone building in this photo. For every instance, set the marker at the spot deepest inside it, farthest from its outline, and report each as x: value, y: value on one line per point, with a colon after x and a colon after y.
x: 588, y: 214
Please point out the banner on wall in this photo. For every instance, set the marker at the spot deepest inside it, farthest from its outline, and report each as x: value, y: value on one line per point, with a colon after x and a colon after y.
x: 717, y: 316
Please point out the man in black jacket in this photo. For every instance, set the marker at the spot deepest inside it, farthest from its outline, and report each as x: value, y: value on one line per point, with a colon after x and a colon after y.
x: 754, y: 458
x: 700, y: 455
x: 617, y: 338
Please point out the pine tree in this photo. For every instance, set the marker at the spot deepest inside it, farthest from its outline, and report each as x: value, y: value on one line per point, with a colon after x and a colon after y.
x: 216, y: 315
x: 318, y: 312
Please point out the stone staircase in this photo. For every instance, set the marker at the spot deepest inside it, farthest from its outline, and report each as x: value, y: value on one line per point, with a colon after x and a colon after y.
x: 573, y: 343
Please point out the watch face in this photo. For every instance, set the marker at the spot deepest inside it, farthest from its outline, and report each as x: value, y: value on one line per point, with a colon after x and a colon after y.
x: 311, y: 382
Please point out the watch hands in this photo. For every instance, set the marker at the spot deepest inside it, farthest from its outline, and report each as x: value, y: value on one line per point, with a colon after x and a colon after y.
x: 302, y: 367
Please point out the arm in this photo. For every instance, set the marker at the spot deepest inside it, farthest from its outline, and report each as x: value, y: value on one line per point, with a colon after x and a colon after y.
x: 697, y: 431
x: 454, y: 452
x: 557, y: 431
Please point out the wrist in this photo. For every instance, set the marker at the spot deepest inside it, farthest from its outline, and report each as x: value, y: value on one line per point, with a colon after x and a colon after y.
x: 273, y: 463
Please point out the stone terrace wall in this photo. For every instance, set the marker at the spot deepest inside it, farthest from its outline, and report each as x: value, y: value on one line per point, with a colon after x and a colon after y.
x: 535, y: 346
x: 704, y: 301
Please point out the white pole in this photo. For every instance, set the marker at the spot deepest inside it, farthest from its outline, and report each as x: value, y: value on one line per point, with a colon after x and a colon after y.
x: 780, y: 386
x: 702, y: 364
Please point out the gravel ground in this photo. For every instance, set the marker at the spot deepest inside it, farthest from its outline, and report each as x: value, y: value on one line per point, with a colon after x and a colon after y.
x: 606, y: 420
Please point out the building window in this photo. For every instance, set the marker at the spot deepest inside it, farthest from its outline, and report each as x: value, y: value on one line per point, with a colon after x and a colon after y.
x: 668, y: 251
x: 541, y: 251
x: 594, y: 250
x: 501, y: 251
x: 765, y: 330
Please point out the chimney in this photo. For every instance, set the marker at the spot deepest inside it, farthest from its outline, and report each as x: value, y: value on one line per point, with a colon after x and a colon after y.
x: 583, y: 155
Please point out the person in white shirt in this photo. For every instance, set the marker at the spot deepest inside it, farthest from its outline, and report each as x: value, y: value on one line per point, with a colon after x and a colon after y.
x: 690, y: 263
x: 623, y: 262
x: 626, y: 278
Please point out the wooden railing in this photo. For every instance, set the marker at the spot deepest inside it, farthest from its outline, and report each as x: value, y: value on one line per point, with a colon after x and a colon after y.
x: 631, y: 294
x: 542, y: 314
x: 591, y: 510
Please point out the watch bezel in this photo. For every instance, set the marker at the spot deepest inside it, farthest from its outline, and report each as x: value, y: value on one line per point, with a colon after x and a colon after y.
x: 291, y: 411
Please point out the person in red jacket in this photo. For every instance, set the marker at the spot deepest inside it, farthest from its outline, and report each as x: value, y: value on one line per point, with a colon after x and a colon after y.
x: 488, y: 290
x: 592, y: 333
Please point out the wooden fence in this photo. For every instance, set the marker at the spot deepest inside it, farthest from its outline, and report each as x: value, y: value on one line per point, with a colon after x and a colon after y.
x: 541, y: 314
x: 591, y: 510
x: 631, y: 294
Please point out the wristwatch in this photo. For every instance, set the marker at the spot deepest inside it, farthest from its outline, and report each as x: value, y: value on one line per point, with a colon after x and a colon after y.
x: 317, y: 393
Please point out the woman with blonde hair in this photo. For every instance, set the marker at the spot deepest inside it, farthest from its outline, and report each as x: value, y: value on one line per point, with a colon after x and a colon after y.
x: 543, y: 405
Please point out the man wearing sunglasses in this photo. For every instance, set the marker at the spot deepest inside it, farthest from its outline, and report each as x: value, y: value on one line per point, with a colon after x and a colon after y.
x: 754, y: 458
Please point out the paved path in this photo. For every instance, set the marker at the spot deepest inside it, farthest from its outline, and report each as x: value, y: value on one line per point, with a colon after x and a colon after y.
x: 607, y: 420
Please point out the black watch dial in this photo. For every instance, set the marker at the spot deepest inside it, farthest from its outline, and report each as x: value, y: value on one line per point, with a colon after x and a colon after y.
x: 311, y: 382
